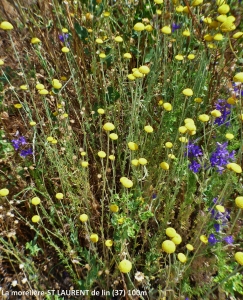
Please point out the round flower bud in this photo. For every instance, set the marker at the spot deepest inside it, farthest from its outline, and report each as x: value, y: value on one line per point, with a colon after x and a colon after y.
x: 99, y: 41
x: 113, y: 136
x: 179, y: 57
x: 191, y: 56
x: 139, y: 26
x: 94, y: 238
x: 108, y: 126
x: 142, y: 161
x: 4, y: 192
x: 170, y: 232
x: 158, y: 1
x: 168, y: 145
x: 101, y: 154
x: 144, y: 69
x: 168, y: 246
x: 65, y: 49
x: 1, y: 62
x: 112, y: 157
x: 149, y: 28
x: 127, y: 183
x: 220, y: 208
x: 35, y: 40
x: 224, y: 9
x: 35, y: 201
x: 182, y: 258
x: 127, y: 55
x: 204, y: 239
x: 182, y: 129
x: 203, y: 118
x: 148, y: 128
x: 189, y: 247
x: 171, y: 156
x: 131, y: 77
x: 177, y: 239
x: 132, y: 146
x: 101, y: 111
x: 114, y: 208
x: 39, y: 86
x: 198, y: 100
x: 6, y: 25
x: 135, y: 162
x: 118, y: 39
x: 56, y: 84
x: 239, y: 257
x: 43, y: 92
x: 138, y: 74
x: 197, y: 2
x: 239, y: 202
x: 35, y: 219
x: 84, y: 164
x: 187, y: 92
x: 218, y: 37
x: 108, y: 243
x: 229, y: 136
x: 32, y: 123
x: 216, y: 113
x: 83, y: 218
x: 164, y: 165
x: 125, y: 266
x: 186, y: 33
x: 234, y: 167
x: 238, y: 35
x: 59, y: 196
x: 183, y: 139
x: 238, y: 77
x: 167, y: 106
x: 166, y: 30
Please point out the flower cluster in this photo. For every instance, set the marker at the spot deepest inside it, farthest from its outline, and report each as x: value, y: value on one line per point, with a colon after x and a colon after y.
x: 225, y: 109
x: 221, y: 157
x: 21, y: 141
x: 193, y: 152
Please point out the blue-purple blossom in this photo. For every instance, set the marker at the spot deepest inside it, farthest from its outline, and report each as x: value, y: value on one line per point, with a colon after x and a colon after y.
x: 194, y: 166
x: 25, y: 153
x: 175, y: 27
x: 63, y: 37
x: 217, y: 227
x: 224, y: 108
x: 221, y: 157
x: 212, y: 239
x: 193, y: 150
x: 229, y: 239
x: 237, y: 91
x: 18, y: 142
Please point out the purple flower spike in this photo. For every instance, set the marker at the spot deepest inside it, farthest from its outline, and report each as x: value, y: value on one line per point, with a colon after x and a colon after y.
x: 194, y: 166
x: 175, y: 27
x: 25, y: 153
x: 212, y: 239
x: 221, y: 157
x: 229, y: 240
x: 217, y: 227
x: 224, y: 108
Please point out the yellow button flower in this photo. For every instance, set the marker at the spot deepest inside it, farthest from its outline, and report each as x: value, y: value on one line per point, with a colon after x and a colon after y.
x: 182, y: 129
x: 171, y: 156
x: 112, y: 157
x: 56, y: 84
x: 234, y: 167
x: 167, y: 106
x: 198, y: 100
x: 84, y: 164
x: 203, y: 118
x: 218, y: 37
x: 59, y: 196
x: 114, y: 208
x: 4, y: 192
x: 138, y: 74
x: 132, y: 146
x: 204, y: 239
x: 135, y: 162
x: 6, y: 25
x: 239, y: 257
x: 32, y: 123
x: 189, y: 247
x: 177, y: 239
x: 191, y: 56
x: 170, y: 232
x: 142, y: 161
x: 35, y: 200
x: 144, y: 69
x: 106, y: 14
x: 166, y: 30
x: 127, y: 55
x: 39, y: 86
x: 125, y: 266
x: 224, y: 9
x: 35, y: 40
x: 1, y: 62
x: 94, y: 238
x: 183, y: 139
x: 43, y: 92
x: 118, y: 39
x: 35, y: 219
x: 149, y: 28
x: 164, y: 165
x: 221, y: 18
x: 220, y: 208
x: 179, y: 57
x: 168, y: 145
x: 168, y: 246
x: 238, y: 35
x: 113, y: 136
x: 139, y: 26
x: 187, y: 92
x: 108, y: 243
x: 181, y: 257
x: 197, y: 2
x: 216, y: 113
x: 127, y: 183
x: 65, y: 49
x: 238, y: 77
x: 18, y: 105
x: 186, y: 33
x: 83, y: 218
x: 131, y: 77
x: 229, y: 136
x: 101, y: 154
x: 158, y: 1
x: 108, y: 126
x: 239, y: 202
x: 148, y: 128
x: 101, y: 111
x: 179, y: 8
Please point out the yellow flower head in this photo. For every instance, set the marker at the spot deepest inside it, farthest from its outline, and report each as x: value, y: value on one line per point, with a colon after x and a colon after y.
x: 101, y: 154
x: 189, y: 247
x: 148, y: 128
x: 203, y: 118
x: 220, y: 208
x: 139, y: 26
x: 132, y: 146
x: 144, y: 69
x: 127, y: 183
x: 177, y: 239
x: 114, y: 208
x: 239, y: 202
x: 35, y: 219
x: 113, y: 136
x: 101, y: 111
x: 179, y: 57
x: 84, y: 164
x: 168, y: 246
x: 229, y: 136
x: 112, y: 157
x: 170, y: 232
x: 187, y: 92
x: 108, y: 126
x: 181, y: 257
x: 204, y: 239
x: 165, y: 166
x: 4, y: 192
x: 83, y: 218
x: 238, y: 77
x: 108, y: 243
x: 168, y: 145
x: 125, y: 266
x: 94, y: 238
x: 59, y: 196
x: 224, y: 9
x: 142, y: 161
x: 65, y: 49
x: 167, y: 106
x: 35, y: 40
x: 118, y: 39
x: 35, y: 200
x: 216, y: 113
x: 191, y: 56
x: 127, y: 55
x: 6, y: 25
x: 135, y: 162
x: 18, y: 105
x: 239, y: 257
x: 166, y: 30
